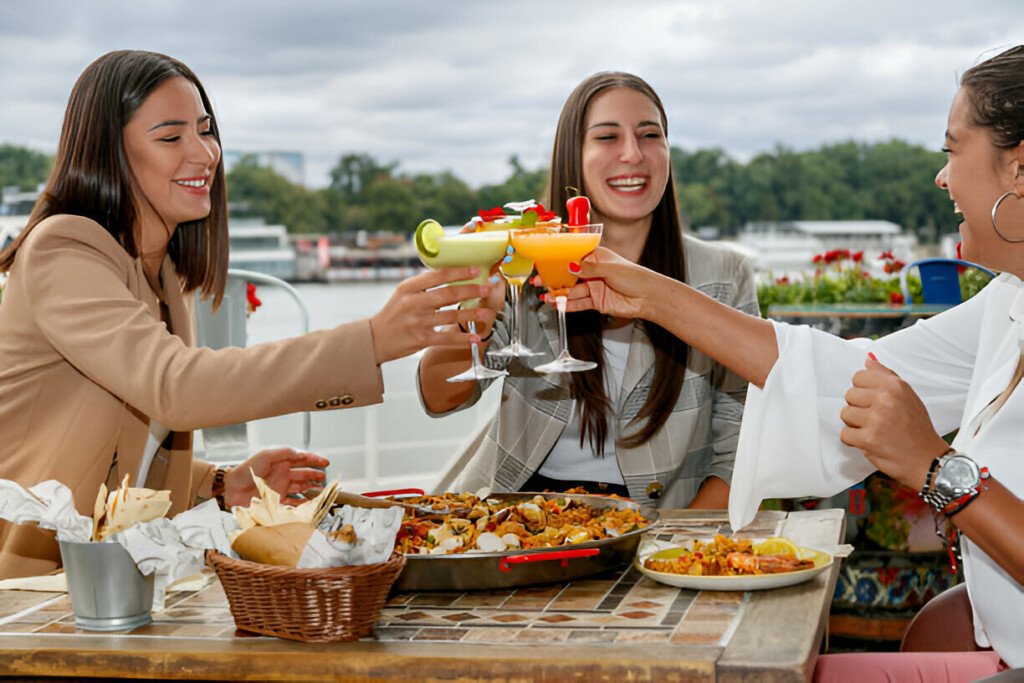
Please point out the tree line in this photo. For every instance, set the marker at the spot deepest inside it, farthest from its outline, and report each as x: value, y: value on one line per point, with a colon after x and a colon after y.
x: 891, y: 181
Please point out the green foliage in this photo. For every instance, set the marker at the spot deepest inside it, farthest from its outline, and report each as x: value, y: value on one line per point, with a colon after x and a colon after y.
x: 23, y: 167
x: 890, y: 181
x: 255, y: 191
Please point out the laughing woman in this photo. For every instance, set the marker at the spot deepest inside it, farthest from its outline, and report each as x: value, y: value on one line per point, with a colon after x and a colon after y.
x: 657, y: 421
x: 99, y: 373
x: 810, y: 433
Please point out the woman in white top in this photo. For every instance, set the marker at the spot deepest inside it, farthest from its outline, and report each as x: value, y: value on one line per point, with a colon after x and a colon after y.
x: 807, y: 431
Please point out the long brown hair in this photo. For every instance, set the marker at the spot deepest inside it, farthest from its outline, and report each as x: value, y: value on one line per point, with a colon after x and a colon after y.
x: 662, y: 252
x: 91, y: 176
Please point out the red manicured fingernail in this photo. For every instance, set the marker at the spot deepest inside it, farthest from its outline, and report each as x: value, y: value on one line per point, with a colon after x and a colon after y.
x: 872, y: 356
x: 574, y: 268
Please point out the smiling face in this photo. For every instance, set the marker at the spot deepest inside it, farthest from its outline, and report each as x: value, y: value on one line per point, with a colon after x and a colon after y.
x: 172, y: 154
x: 625, y: 156
x: 975, y: 175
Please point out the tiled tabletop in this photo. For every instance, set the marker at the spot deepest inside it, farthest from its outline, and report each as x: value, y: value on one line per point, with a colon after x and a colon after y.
x: 622, y: 614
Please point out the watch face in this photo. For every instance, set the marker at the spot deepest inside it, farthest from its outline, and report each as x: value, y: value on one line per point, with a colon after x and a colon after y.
x: 959, y: 472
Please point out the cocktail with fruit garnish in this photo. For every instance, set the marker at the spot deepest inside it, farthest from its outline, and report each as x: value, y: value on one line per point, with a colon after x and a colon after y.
x: 438, y: 249
x: 515, y: 267
x: 552, y: 247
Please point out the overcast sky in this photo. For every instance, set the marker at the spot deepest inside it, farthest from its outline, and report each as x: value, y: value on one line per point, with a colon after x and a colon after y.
x: 461, y: 85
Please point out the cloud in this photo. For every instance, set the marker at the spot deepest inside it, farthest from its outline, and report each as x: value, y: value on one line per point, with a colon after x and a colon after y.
x: 463, y: 85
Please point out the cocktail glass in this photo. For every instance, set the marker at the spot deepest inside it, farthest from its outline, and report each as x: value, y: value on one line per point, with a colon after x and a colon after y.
x: 437, y: 249
x: 515, y: 268
x: 552, y: 248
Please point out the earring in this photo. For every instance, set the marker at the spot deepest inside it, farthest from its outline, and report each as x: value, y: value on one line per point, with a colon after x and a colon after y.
x: 995, y: 207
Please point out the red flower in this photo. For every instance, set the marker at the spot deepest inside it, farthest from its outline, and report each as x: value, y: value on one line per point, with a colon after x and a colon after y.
x: 252, y: 303
x: 817, y: 258
x: 886, y: 256
x: 857, y: 256
x: 897, y: 266
x: 782, y: 280
x: 896, y: 297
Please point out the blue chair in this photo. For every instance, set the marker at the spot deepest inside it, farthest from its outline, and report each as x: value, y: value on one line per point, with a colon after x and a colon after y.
x: 940, y: 279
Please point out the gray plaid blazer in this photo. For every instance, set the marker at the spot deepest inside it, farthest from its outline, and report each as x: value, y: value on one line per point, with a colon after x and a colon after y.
x: 698, y: 440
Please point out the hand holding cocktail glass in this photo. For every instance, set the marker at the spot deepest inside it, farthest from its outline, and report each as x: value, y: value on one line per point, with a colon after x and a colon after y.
x: 515, y: 267
x: 553, y: 247
x: 482, y: 249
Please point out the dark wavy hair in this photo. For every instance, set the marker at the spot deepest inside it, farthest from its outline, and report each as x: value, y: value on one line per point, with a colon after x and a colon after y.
x: 995, y: 89
x: 91, y: 176
x: 663, y: 252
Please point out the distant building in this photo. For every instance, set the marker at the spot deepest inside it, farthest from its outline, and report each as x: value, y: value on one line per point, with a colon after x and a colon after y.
x: 291, y: 165
x: 790, y: 246
x: 261, y: 247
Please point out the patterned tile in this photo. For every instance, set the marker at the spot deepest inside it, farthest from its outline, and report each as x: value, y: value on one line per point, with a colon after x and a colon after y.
x: 620, y: 607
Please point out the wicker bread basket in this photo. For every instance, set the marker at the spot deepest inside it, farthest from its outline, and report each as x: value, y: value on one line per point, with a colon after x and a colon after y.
x: 311, y: 605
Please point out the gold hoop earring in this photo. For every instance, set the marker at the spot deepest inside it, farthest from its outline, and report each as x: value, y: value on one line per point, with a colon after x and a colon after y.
x: 995, y: 207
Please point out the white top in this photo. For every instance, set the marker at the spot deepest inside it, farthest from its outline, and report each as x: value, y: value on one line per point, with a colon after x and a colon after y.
x: 157, y: 434
x: 567, y: 459
x: 957, y: 362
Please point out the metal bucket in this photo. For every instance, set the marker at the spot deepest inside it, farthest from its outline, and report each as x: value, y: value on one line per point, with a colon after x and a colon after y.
x: 107, y: 590
x: 509, y: 569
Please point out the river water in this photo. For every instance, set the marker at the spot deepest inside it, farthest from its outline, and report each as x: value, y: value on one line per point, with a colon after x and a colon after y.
x: 392, y: 444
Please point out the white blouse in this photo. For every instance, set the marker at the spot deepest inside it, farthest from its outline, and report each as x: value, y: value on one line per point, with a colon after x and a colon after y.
x: 957, y: 362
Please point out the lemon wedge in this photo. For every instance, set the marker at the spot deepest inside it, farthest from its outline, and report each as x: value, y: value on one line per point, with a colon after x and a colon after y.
x: 776, y: 545
x: 428, y: 237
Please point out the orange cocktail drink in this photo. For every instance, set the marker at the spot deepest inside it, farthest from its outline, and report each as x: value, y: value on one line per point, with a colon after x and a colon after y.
x: 552, y: 248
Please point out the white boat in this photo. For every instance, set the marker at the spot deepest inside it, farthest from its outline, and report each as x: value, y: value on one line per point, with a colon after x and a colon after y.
x: 261, y: 248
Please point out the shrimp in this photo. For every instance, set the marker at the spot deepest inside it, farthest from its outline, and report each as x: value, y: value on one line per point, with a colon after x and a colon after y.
x: 748, y: 563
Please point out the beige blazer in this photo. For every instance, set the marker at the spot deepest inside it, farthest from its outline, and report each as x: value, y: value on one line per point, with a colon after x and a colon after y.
x: 86, y: 363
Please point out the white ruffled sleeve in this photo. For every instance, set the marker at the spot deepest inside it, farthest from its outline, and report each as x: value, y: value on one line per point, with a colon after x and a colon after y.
x: 789, y: 441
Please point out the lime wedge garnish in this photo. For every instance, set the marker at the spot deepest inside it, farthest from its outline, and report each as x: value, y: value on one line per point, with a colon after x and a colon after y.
x: 428, y: 237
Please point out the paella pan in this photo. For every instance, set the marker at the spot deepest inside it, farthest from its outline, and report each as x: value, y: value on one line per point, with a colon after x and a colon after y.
x: 569, y: 536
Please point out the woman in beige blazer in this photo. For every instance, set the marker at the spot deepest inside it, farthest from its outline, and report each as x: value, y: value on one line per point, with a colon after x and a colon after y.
x: 99, y: 373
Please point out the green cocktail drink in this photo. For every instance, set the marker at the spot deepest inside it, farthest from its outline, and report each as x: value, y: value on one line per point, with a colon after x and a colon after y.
x: 438, y: 249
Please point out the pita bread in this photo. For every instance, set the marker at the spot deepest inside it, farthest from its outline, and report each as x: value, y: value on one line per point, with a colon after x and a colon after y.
x: 272, y: 533
x: 125, y: 507
x: 280, y: 545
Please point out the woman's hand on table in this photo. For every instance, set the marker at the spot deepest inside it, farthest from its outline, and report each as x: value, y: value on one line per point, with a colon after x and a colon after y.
x: 285, y: 470
x: 410, y: 320
x: 886, y: 419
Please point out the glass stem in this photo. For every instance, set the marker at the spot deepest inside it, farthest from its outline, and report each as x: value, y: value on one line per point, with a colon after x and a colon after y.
x: 515, y: 294
x: 560, y: 302
x: 476, y: 347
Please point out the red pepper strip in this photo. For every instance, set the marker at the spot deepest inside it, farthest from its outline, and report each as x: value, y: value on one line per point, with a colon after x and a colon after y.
x: 563, y: 555
x: 396, y: 492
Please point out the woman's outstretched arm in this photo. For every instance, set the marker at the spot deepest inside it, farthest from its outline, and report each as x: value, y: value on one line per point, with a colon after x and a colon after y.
x: 614, y: 286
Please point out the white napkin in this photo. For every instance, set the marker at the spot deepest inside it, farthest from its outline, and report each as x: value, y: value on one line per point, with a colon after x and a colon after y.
x: 169, y: 548
x: 375, y: 530
x: 50, y: 504
x: 172, y: 549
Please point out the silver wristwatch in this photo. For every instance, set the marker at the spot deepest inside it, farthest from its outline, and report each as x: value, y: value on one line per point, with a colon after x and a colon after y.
x: 954, y: 477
